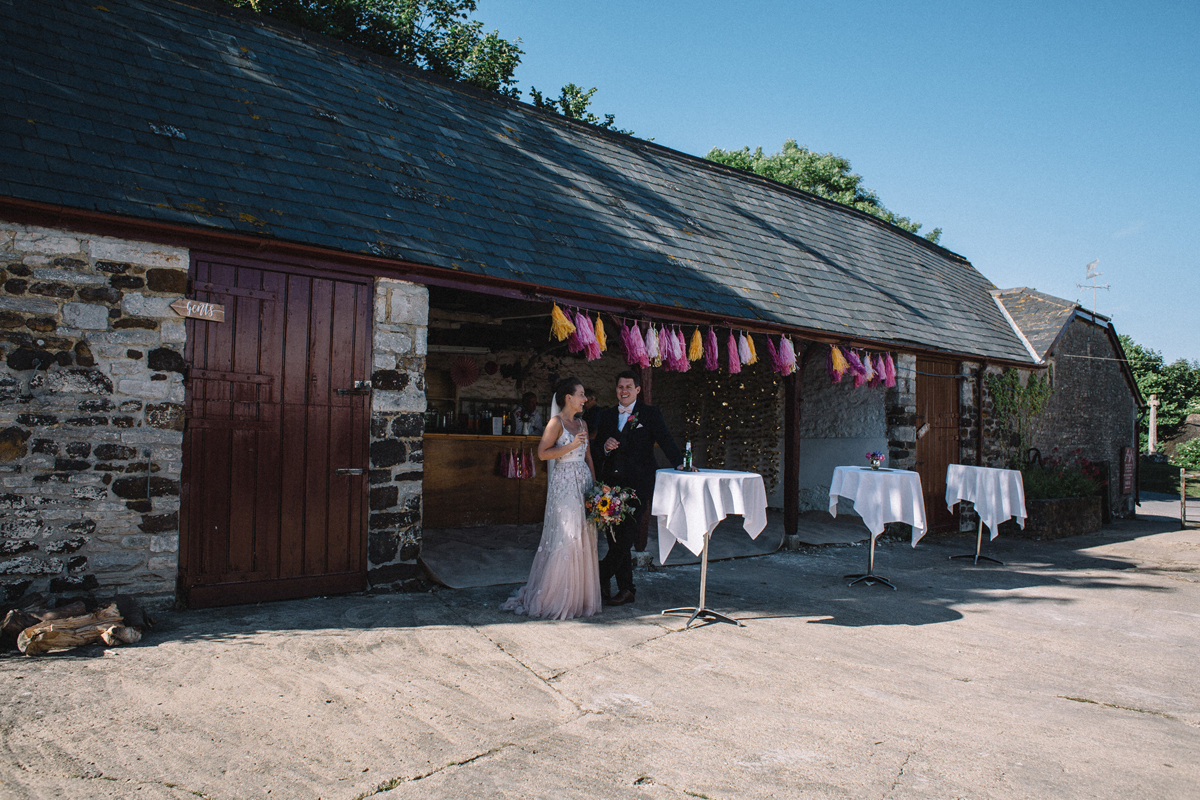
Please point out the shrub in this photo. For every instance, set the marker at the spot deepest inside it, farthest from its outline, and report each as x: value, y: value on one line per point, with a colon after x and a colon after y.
x: 1187, y: 455
x: 1061, y: 477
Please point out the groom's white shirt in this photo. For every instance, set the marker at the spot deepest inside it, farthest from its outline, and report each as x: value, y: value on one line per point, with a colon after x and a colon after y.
x: 623, y: 416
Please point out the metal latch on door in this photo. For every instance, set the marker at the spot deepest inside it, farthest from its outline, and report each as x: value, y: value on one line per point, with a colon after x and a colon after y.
x: 348, y: 471
x: 360, y: 387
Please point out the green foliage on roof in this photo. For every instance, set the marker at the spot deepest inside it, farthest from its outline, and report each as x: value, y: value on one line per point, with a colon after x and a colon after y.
x: 437, y: 35
x: 823, y: 174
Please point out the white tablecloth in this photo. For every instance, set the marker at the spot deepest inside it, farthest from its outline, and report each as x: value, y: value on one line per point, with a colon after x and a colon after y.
x: 881, y: 496
x: 998, y: 494
x: 690, y: 504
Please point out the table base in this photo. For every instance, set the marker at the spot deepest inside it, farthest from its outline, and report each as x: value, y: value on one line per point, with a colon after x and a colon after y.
x: 700, y: 611
x: 870, y: 577
x: 978, y: 546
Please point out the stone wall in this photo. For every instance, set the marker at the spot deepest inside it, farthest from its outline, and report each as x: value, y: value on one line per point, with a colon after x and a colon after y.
x: 91, y: 414
x: 901, y: 405
x: 1092, y: 410
x: 397, y: 426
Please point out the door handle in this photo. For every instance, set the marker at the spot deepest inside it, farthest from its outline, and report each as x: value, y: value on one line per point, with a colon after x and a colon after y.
x: 348, y: 471
x: 360, y: 387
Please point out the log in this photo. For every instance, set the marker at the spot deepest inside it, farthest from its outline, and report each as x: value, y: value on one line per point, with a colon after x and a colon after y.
x: 63, y: 634
x: 19, y: 619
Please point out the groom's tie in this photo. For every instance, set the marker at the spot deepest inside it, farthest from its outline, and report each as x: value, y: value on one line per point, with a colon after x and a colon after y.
x: 623, y: 416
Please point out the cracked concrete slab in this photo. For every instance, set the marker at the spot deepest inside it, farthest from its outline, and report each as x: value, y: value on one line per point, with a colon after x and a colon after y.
x: 1067, y: 672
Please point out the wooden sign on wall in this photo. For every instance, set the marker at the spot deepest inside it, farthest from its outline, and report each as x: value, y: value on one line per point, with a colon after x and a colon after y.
x: 1128, y: 463
x: 211, y: 312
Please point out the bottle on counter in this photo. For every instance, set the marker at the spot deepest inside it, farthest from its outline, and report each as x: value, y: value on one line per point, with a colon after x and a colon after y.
x: 687, y: 456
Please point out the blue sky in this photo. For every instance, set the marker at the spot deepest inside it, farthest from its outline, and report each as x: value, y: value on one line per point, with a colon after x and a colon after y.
x: 1038, y: 136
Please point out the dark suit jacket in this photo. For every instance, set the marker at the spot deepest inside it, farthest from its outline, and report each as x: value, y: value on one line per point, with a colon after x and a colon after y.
x: 633, y: 463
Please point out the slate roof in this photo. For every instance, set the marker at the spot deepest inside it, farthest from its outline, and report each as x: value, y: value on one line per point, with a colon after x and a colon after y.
x: 193, y: 114
x: 1041, y: 317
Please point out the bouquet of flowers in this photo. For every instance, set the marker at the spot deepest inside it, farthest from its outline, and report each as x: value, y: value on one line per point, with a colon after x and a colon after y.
x: 608, y: 506
x: 876, y: 459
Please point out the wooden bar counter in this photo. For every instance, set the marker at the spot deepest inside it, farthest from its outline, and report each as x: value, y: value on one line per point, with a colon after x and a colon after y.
x: 463, y: 487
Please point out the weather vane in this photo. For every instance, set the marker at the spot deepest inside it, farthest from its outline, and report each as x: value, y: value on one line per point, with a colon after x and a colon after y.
x: 1092, y: 275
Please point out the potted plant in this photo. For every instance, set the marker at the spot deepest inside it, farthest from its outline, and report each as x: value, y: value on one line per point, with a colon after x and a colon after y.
x: 1061, y: 496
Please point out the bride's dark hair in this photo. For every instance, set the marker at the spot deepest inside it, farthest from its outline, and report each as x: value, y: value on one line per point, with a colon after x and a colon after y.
x: 563, y: 388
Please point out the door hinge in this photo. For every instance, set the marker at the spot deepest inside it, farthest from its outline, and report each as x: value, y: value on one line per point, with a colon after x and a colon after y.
x: 348, y: 471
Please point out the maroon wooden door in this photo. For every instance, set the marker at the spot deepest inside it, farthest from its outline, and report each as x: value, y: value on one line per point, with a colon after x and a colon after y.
x: 937, y: 445
x: 275, y: 449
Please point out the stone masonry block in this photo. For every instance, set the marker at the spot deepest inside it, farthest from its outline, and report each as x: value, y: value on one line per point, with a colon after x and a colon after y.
x: 68, y: 276
x: 85, y: 316
x: 142, y: 253
x: 398, y: 342
x: 400, y: 301
x: 48, y: 242
x: 140, y: 305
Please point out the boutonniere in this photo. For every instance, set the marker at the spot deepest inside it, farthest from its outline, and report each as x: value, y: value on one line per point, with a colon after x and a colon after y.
x: 631, y: 422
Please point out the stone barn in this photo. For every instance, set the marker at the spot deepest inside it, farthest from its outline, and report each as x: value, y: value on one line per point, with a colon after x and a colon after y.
x: 268, y: 303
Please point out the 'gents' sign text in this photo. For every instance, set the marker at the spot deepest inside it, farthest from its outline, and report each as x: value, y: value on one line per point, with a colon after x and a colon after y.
x: 212, y: 312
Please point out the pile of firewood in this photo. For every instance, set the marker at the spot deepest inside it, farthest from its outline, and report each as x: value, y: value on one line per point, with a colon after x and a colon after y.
x: 37, y: 628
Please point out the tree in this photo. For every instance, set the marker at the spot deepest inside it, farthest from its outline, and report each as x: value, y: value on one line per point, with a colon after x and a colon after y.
x: 437, y: 35
x: 823, y: 174
x: 573, y: 103
x: 1177, y: 385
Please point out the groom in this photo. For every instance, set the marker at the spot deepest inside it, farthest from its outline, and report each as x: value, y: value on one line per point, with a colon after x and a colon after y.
x: 623, y: 451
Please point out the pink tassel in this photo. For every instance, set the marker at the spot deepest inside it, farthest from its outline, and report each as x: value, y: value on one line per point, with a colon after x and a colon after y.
x: 877, y: 372
x: 591, y: 347
x: 787, y: 355
x: 735, y: 358
x: 856, y: 367
x: 575, y: 340
x: 639, y: 344
x: 681, y: 346
x: 664, y: 348
x: 773, y: 354
x: 711, y: 350
x: 889, y: 371
x: 870, y: 376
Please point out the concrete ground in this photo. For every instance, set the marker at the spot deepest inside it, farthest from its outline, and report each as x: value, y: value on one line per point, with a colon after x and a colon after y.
x: 1069, y: 672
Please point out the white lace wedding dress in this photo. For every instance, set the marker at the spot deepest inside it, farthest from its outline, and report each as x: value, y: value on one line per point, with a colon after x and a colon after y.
x: 564, y: 581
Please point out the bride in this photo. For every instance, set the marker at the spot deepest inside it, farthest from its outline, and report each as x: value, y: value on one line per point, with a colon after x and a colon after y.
x: 564, y: 581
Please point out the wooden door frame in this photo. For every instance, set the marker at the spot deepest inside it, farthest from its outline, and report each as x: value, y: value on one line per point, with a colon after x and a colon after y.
x: 926, y: 377
x: 194, y: 593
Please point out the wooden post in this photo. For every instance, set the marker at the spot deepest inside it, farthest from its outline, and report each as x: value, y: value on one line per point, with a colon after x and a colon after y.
x: 791, y: 452
x: 647, y: 376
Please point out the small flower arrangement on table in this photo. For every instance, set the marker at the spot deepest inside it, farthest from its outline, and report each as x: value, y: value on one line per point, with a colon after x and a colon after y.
x: 608, y: 506
x: 876, y: 460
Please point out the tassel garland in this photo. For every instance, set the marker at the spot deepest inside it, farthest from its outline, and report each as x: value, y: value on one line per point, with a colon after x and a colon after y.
x: 681, y: 345
x: 773, y: 355
x: 601, y: 337
x: 836, y: 365
x: 652, y: 351
x: 735, y: 358
x: 787, y: 356
x: 889, y: 371
x: 743, y: 349
x: 711, y: 350
x: 750, y: 347
x: 696, y: 349
x: 560, y: 326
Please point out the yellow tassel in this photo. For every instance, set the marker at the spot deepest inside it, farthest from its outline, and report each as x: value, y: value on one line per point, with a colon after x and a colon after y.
x: 753, y: 352
x: 696, y: 347
x: 560, y: 326
x: 840, y: 364
x: 601, y: 339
